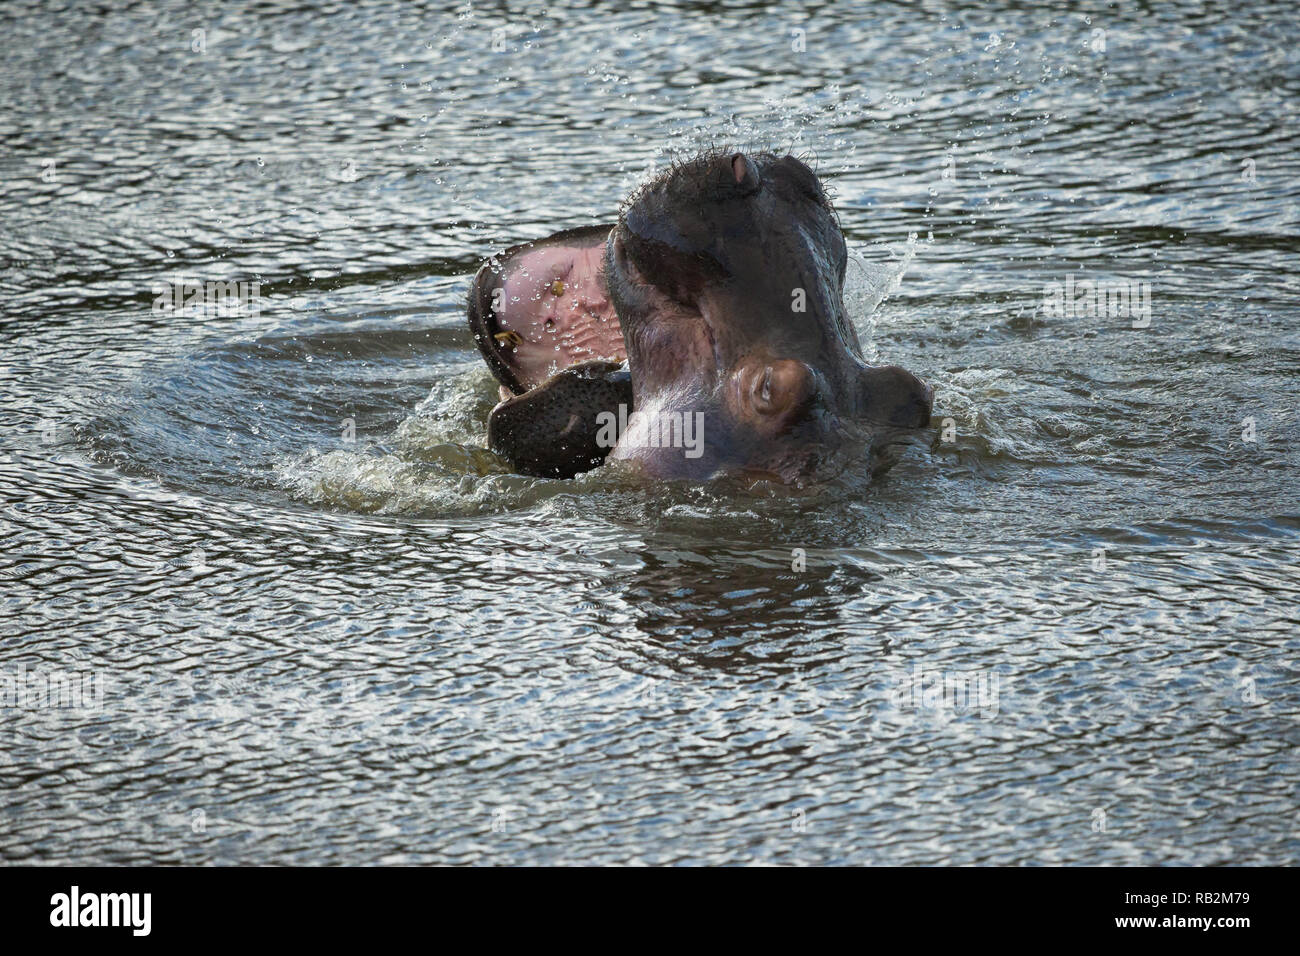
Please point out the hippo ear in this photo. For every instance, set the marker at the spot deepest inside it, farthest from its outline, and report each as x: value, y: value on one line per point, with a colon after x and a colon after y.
x: 566, y: 425
x: 893, y: 397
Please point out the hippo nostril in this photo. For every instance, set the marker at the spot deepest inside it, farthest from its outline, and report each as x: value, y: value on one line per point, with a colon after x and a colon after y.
x: 745, y: 174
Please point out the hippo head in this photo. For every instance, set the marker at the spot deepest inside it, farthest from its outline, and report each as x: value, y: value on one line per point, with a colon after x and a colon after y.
x: 725, y: 277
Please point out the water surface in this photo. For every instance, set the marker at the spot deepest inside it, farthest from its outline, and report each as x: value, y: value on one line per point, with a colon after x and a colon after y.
x: 391, y: 649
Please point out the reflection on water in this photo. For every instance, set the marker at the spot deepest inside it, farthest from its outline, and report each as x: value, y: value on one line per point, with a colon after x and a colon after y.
x: 331, y: 627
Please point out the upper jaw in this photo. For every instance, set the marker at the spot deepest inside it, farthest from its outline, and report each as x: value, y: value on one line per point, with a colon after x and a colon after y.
x: 617, y: 282
x: 668, y: 344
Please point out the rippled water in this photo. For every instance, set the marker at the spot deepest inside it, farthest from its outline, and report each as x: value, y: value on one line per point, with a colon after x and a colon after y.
x: 391, y: 649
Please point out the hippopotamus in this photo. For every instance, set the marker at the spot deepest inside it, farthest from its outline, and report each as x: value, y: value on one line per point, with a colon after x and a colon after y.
x: 701, y: 335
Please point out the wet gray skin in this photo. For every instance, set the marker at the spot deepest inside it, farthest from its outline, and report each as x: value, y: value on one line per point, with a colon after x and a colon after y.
x: 726, y: 278
x: 727, y: 274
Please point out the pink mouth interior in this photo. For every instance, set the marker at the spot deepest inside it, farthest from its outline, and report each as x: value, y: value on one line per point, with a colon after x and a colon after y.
x: 556, y: 303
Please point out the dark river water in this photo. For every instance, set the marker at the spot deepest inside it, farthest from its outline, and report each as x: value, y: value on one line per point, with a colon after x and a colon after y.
x: 313, y: 620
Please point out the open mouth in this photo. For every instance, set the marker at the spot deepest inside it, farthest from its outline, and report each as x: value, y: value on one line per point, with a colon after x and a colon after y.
x: 675, y: 334
x: 622, y: 278
x: 489, y: 335
x: 543, y: 307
